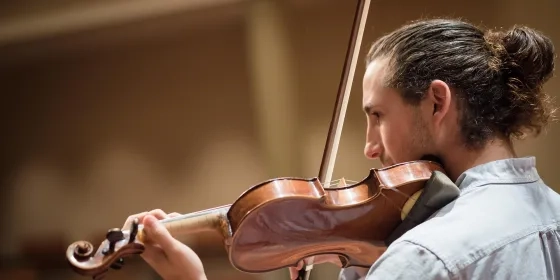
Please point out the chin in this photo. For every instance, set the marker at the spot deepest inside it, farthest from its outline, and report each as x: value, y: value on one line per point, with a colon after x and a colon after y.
x: 431, y: 158
x: 386, y: 163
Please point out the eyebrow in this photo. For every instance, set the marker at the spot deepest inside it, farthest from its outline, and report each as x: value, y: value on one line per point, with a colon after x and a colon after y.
x: 368, y: 108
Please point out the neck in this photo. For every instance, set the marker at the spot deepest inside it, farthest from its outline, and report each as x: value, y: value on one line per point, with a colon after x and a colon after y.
x: 464, y: 158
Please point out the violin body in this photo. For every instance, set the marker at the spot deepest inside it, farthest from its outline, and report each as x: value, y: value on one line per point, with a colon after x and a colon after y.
x: 282, y: 221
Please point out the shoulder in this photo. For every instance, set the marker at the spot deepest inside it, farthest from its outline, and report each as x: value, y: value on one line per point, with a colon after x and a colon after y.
x: 484, y: 226
x: 407, y: 260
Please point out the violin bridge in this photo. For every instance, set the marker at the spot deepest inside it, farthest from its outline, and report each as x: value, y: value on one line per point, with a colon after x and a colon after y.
x: 341, y: 183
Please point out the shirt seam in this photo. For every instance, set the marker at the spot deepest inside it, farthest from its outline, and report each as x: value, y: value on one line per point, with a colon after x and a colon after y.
x: 450, y: 273
x: 509, y: 181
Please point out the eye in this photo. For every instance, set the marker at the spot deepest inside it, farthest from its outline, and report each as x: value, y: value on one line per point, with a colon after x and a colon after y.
x: 376, y: 115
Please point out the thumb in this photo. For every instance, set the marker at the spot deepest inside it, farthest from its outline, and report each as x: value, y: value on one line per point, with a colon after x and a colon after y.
x: 157, y: 233
x: 294, y: 271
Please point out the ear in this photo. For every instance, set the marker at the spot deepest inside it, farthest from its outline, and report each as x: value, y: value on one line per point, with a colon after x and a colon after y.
x: 439, y: 95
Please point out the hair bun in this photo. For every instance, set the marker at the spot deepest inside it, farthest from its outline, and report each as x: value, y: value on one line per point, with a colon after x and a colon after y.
x: 530, y: 59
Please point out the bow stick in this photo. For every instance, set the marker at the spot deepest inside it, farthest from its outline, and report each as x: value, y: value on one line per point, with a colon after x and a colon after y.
x: 337, y: 121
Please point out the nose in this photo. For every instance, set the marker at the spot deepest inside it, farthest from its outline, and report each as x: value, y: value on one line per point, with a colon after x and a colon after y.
x: 372, y: 150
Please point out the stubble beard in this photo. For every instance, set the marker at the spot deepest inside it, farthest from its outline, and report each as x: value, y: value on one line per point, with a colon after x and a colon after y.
x: 421, y: 139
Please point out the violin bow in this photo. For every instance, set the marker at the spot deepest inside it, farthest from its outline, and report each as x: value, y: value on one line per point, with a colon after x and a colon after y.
x: 339, y: 113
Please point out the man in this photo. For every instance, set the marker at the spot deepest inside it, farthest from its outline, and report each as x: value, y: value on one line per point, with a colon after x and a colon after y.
x: 447, y: 89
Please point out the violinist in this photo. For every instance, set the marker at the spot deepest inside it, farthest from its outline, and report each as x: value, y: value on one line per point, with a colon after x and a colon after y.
x: 448, y: 89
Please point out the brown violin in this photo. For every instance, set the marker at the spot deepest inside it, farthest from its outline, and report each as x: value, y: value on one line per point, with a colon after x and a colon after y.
x: 280, y: 222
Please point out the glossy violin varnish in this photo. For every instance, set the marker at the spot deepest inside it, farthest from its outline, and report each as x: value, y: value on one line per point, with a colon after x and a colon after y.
x: 272, y: 229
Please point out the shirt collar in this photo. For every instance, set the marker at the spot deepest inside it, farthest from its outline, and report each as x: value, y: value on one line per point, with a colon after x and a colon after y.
x: 506, y: 171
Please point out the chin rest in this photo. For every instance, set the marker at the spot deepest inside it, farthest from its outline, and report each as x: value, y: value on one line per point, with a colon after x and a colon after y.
x: 438, y: 192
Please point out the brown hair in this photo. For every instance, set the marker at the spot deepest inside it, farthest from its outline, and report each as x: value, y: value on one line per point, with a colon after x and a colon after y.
x: 498, y: 76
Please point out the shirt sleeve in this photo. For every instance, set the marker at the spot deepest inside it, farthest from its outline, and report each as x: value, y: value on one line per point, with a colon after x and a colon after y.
x: 350, y: 273
x: 406, y: 260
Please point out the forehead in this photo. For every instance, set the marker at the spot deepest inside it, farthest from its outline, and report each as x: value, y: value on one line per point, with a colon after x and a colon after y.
x: 374, y: 91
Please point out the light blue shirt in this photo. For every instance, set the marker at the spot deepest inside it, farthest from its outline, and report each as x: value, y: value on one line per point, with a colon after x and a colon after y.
x: 504, y: 225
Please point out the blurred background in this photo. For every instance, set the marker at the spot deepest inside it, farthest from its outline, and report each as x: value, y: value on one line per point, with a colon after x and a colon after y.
x: 111, y: 108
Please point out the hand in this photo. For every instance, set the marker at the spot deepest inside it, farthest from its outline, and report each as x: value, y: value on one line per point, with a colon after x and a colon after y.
x: 170, y: 258
x: 318, y: 259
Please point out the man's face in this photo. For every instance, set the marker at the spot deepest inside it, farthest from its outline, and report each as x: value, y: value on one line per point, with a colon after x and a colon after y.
x: 396, y: 132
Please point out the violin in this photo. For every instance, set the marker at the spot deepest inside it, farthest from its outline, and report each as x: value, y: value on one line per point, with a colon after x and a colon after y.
x: 280, y: 222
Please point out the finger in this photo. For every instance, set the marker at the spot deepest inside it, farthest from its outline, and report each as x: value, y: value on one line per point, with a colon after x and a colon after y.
x: 131, y: 218
x: 294, y: 271
x: 174, y: 214
x: 158, y: 234
x: 158, y: 213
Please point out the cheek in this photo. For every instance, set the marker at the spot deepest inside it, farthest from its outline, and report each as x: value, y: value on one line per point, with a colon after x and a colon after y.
x: 393, y: 132
x: 396, y: 139
x: 389, y: 137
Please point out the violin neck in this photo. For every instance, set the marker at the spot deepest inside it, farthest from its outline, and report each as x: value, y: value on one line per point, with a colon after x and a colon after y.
x: 210, y: 220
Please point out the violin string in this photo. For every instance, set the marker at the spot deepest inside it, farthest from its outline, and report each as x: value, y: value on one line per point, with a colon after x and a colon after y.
x: 196, y: 214
x: 335, y: 182
x: 391, y: 201
x: 403, y: 194
x: 338, y: 180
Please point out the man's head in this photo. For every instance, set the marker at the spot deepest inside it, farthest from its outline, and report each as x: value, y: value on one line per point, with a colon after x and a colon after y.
x: 436, y: 86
